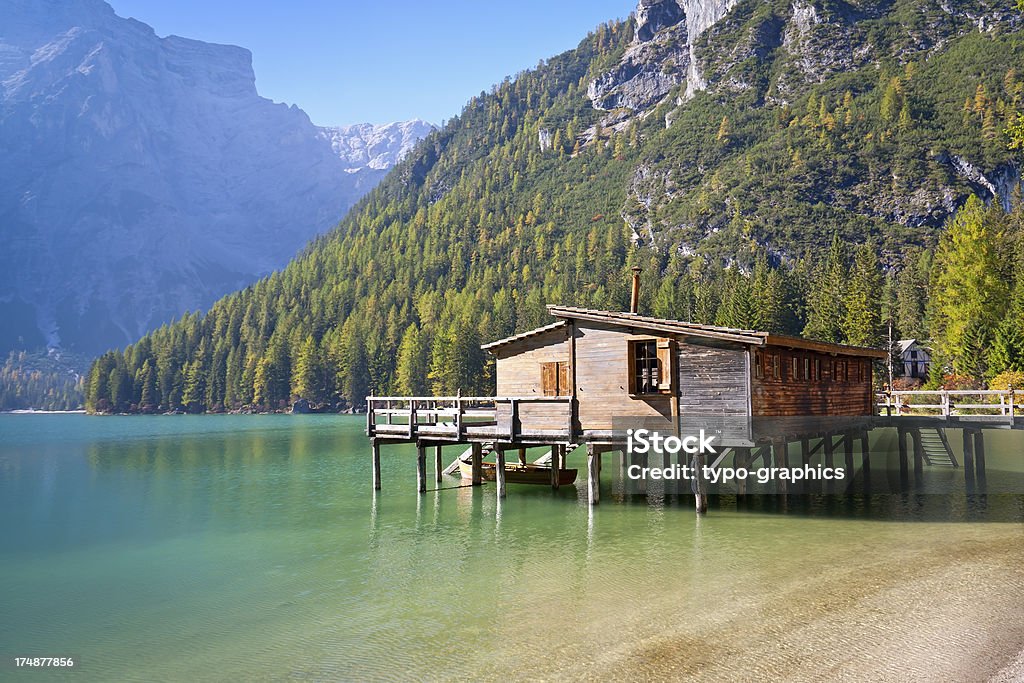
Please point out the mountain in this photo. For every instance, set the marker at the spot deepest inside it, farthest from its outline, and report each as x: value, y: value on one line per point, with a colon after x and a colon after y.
x: 144, y: 176
x: 375, y: 146
x: 776, y: 165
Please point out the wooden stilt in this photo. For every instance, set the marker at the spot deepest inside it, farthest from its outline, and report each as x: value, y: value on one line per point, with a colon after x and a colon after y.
x: 830, y: 450
x: 865, y: 454
x: 438, y: 464
x: 865, y: 461
x: 375, y: 447
x: 848, y: 455
x: 499, y: 472
x: 969, y: 459
x: 743, y: 462
x: 700, y: 492
x: 805, y: 459
x: 979, y: 453
x: 781, y: 454
x: 477, y: 465
x: 522, y: 456
x: 554, y: 466
x: 593, y: 474
x: 904, y: 469
x: 915, y: 439
x: 421, y: 467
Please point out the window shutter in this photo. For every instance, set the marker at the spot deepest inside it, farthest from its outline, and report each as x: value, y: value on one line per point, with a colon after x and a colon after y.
x: 563, y: 380
x: 549, y: 378
x: 666, y: 365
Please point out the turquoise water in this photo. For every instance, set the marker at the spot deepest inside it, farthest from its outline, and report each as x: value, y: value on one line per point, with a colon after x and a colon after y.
x: 253, y: 548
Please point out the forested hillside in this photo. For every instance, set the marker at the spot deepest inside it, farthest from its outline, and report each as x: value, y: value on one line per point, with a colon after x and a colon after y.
x: 41, y: 382
x: 785, y: 194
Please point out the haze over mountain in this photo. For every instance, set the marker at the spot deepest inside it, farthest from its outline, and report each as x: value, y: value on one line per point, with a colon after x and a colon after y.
x: 144, y: 176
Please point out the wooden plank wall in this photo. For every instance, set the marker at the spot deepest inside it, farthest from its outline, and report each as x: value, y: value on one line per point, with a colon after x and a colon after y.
x: 518, y: 373
x: 788, y: 397
x: 712, y: 381
x: 602, y: 378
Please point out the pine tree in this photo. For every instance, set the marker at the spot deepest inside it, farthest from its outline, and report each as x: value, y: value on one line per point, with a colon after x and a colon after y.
x: 413, y: 364
x: 722, y: 137
x: 307, y: 373
x: 148, y: 398
x: 967, y: 292
x: 1008, y: 340
x: 194, y: 387
x: 825, y: 310
x: 862, y: 314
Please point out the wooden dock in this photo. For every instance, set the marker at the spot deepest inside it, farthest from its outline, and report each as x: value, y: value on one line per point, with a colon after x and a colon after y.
x: 492, y: 426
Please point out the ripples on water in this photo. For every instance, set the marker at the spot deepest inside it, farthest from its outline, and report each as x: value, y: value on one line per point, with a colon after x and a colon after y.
x: 251, y: 547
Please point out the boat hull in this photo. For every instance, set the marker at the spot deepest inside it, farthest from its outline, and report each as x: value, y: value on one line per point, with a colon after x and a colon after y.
x: 517, y: 473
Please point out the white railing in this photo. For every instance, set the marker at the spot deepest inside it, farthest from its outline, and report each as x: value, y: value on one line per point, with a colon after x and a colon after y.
x: 455, y: 417
x: 950, y: 403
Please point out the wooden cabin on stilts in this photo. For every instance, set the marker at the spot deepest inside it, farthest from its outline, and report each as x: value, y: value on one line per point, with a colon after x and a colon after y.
x: 578, y: 381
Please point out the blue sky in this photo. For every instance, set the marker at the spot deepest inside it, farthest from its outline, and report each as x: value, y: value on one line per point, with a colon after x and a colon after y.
x: 349, y: 62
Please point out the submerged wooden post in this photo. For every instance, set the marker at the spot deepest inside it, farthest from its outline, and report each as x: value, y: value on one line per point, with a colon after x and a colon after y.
x: 421, y: 467
x: 865, y: 453
x: 700, y: 486
x: 478, y: 468
x: 781, y: 459
x: 968, y: 457
x: 805, y: 460
x: 979, y: 453
x: 438, y: 463
x: 742, y: 462
x: 904, y: 468
x: 865, y: 461
x: 830, y: 449
x: 499, y: 472
x: 593, y: 474
x: 375, y: 447
x: 915, y: 438
x: 848, y: 454
x: 554, y: 466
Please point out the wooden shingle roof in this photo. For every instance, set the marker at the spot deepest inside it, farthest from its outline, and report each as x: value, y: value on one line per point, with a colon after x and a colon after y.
x: 685, y: 329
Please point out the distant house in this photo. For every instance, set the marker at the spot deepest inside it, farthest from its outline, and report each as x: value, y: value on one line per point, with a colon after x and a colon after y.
x: 914, y: 359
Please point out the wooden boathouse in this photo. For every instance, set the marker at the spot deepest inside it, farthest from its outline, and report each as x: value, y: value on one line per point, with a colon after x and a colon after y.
x: 573, y: 382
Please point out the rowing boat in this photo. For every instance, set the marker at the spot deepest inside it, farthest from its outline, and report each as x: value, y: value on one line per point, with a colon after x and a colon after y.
x: 518, y: 473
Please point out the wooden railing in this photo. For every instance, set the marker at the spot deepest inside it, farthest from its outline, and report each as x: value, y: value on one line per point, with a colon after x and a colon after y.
x: 950, y: 403
x: 461, y: 417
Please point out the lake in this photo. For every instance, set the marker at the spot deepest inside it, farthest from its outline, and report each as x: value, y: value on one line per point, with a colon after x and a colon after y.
x: 253, y: 548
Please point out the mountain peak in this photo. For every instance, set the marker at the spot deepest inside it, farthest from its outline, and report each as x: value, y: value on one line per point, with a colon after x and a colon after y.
x: 145, y: 176
x: 375, y: 146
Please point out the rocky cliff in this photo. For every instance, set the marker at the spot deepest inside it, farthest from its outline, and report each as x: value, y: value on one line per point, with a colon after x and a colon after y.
x: 145, y: 176
x: 889, y: 132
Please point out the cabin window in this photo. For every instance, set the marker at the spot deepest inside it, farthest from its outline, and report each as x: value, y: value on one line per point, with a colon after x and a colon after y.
x: 651, y: 366
x: 840, y: 371
x: 795, y: 363
x: 758, y: 365
x: 554, y: 379
x: 776, y: 366
x: 817, y: 369
x: 807, y: 369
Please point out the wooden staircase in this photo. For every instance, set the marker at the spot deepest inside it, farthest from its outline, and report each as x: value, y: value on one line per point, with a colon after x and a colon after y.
x: 467, y: 457
x: 546, y: 458
x: 937, y: 452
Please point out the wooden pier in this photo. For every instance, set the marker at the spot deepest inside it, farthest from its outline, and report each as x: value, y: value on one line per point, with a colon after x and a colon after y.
x: 581, y: 381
